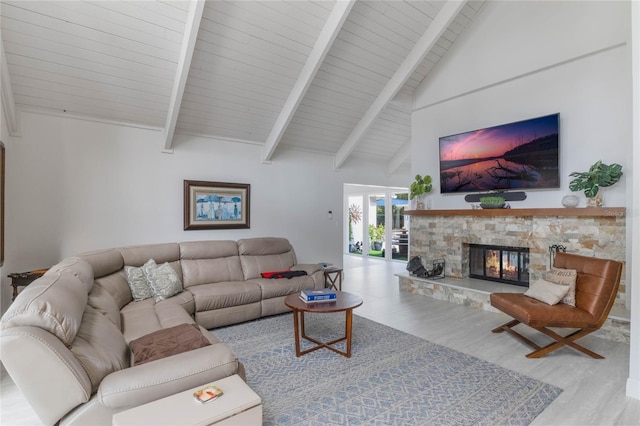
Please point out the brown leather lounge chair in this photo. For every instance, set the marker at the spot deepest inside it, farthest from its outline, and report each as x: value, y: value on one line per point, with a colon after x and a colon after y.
x: 596, y: 288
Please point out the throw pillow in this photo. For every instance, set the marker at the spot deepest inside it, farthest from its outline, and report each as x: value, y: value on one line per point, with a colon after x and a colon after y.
x: 164, y: 281
x: 564, y: 277
x: 547, y: 292
x: 167, y: 342
x: 140, y: 287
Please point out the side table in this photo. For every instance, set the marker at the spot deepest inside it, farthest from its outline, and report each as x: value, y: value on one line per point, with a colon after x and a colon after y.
x: 238, y: 405
x: 333, y: 278
x: 23, y: 279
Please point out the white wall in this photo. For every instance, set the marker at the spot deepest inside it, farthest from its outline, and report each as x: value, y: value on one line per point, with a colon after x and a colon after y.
x: 524, y: 59
x: 75, y: 186
x: 521, y: 60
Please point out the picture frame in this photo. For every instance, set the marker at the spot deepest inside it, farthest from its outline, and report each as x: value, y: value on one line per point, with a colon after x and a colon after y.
x: 216, y: 205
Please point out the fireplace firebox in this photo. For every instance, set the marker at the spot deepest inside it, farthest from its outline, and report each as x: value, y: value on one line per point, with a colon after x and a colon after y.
x: 499, y: 263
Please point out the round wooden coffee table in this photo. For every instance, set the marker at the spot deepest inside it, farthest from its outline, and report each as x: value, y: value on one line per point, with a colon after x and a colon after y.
x: 345, y: 302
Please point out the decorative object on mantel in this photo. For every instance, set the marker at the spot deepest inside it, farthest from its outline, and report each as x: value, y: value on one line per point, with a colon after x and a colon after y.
x: 507, y: 195
x: 419, y: 188
x: 494, y: 202
x: 599, y: 175
x: 570, y: 200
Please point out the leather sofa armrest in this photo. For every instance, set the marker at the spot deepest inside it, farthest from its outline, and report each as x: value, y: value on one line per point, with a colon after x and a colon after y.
x: 309, y: 268
x: 157, y: 379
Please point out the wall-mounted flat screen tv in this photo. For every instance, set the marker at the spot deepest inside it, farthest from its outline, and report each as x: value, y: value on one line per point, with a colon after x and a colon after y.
x: 520, y: 155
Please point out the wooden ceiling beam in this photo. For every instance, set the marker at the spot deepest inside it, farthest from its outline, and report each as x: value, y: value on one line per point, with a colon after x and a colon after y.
x: 192, y: 26
x: 426, y: 42
x: 325, y: 40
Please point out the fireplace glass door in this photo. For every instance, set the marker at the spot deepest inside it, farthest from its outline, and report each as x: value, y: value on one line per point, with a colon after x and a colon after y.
x: 503, y: 264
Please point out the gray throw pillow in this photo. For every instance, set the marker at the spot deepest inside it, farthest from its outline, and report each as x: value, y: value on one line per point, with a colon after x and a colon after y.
x: 140, y: 287
x: 164, y: 281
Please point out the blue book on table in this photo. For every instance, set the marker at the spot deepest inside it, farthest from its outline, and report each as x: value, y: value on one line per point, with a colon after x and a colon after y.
x: 324, y: 294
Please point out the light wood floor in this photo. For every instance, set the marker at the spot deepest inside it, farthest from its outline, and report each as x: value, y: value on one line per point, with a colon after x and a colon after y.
x: 594, y: 390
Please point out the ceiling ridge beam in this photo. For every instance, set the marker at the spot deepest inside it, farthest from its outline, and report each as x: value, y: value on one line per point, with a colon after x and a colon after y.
x: 325, y: 40
x: 8, y: 101
x: 399, y: 157
x: 192, y: 26
x: 426, y: 42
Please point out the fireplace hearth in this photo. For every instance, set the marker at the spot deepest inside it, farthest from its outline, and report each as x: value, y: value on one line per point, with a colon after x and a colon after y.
x: 503, y: 264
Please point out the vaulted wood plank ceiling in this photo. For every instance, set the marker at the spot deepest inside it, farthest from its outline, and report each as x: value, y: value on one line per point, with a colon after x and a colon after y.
x: 332, y: 77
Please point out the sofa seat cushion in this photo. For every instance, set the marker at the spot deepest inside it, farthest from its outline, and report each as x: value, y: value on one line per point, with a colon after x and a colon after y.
x: 539, y: 314
x: 139, y: 319
x: 170, y: 314
x: 225, y: 294
x: 183, y: 299
x: 145, y: 317
x: 283, y: 287
x: 166, y: 342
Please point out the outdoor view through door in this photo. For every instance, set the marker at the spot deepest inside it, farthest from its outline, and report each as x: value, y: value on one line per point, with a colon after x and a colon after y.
x: 376, y: 224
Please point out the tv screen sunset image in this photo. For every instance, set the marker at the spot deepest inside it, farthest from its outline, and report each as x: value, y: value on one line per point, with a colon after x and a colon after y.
x: 518, y: 155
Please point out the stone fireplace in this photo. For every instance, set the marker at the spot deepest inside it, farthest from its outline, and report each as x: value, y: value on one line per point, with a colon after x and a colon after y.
x: 509, y: 265
x: 449, y: 234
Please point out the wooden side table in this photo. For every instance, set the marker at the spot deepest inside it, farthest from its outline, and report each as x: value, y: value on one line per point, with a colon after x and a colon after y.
x: 333, y: 278
x: 23, y: 279
x: 345, y: 302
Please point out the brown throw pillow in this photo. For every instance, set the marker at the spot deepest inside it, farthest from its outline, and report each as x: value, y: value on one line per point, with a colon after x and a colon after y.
x: 167, y: 342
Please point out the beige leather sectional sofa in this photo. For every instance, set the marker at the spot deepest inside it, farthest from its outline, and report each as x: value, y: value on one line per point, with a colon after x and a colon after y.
x: 65, y: 339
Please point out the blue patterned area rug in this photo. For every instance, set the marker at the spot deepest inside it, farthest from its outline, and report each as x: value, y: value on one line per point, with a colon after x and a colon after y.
x: 392, y: 378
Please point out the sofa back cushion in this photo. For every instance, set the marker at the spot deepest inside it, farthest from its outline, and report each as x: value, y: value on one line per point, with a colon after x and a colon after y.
x: 116, y: 285
x: 103, y: 262
x: 259, y: 255
x: 206, y: 262
x: 102, y: 301
x: 100, y: 347
x: 161, y: 253
x: 55, y: 302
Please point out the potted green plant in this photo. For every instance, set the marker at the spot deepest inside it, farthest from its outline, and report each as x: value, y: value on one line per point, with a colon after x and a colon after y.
x: 376, y: 236
x: 492, y: 202
x: 599, y: 175
x: 420, y: 187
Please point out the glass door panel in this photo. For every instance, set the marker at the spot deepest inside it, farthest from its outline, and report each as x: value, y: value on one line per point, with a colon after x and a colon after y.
x: 376, y: 229
x: 356, y: 224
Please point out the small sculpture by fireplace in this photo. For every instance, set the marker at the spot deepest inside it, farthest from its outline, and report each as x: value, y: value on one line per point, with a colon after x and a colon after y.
x: 498, y: 263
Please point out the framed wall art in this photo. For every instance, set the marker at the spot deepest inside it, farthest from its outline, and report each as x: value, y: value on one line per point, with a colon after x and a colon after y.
x: 216, y: 205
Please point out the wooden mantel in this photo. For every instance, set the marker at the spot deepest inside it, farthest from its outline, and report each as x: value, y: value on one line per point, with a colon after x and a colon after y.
x: 563, y: 212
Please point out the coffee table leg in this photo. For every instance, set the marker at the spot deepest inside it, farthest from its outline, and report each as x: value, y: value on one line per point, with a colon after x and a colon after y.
x: 347, y: 330
x: 296, y: 330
